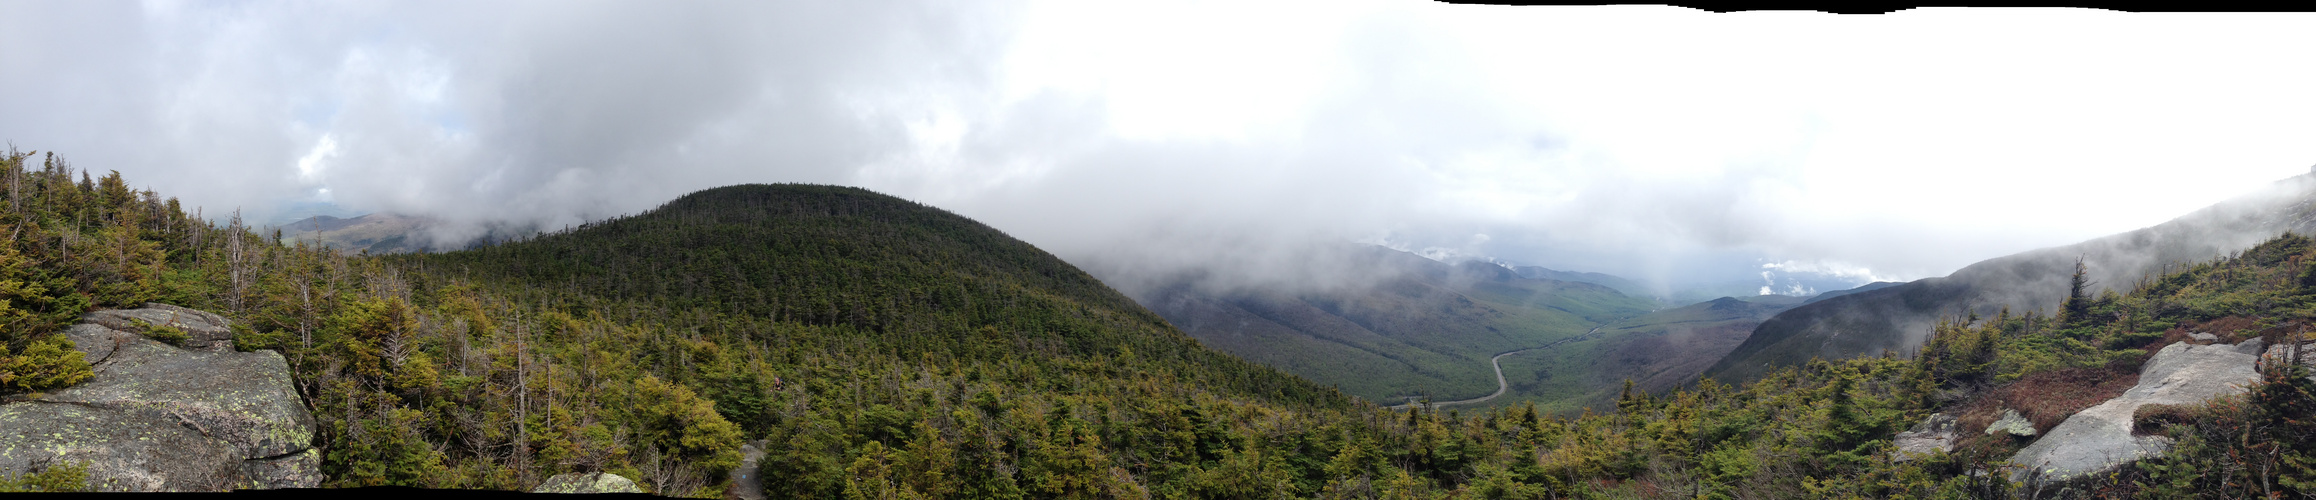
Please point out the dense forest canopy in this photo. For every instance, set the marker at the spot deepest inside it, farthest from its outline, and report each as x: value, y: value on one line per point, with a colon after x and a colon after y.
x: 883, y: 349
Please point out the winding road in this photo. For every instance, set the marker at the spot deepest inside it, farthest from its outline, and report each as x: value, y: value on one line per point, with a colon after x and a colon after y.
x: 1497, y: 362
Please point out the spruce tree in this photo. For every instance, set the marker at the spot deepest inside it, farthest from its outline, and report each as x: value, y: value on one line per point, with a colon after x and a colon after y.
x: 2077, y: 308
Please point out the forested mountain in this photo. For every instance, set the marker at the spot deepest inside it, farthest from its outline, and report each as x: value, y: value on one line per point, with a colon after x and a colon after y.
x: 885, y: 349
x: 1658, y: 352
x: 1618, y: 283
x: 880, y: 271
x: 374, y: 233
x: 1900, y: 317
x: 1415, y: 328
x: 1861, y: 288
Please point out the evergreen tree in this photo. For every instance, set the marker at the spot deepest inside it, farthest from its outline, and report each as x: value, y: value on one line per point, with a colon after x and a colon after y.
x: 2077, y: 308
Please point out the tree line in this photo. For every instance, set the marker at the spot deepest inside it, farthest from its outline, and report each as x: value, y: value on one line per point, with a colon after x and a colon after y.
x: 884, y: 349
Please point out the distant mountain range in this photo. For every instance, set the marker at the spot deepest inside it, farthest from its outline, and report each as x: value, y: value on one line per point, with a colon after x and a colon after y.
x: 822, y: 341
x: 1422, y: 328
x: 374, y: 233
x: 1428, y: 329
x: 1618, y: 283
x: 1899, y: 317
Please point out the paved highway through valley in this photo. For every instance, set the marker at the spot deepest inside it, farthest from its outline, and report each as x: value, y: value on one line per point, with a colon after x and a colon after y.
x: 1497, y: 362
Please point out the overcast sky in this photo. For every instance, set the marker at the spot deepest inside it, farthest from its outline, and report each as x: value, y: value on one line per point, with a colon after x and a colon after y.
x: 1652, y: 142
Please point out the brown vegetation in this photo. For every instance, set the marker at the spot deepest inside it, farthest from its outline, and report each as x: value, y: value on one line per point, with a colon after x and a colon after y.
x: 2230, y: 329
x: 2047, y: 398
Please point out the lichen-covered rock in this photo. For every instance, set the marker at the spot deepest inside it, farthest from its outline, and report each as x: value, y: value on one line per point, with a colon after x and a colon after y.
x: 205, y: 331
x: 156, y: 417
x: 587, y: 483
x: 244, y: 398
x: 2099, y: 438
x: 124, y: 451
x: 302, y: 469
x: 2011, y: 423
x: 1933, y: 435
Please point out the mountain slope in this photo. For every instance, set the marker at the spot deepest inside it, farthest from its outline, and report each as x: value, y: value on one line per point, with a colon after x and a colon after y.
x: 435, y: 371
x: 913, y: 279
x: 1861, y: 288
x: 1658, y: 351
x: 375, y: 233
x: 1619, y: 283
x: 1420, y: 328
x: 1900, y: 317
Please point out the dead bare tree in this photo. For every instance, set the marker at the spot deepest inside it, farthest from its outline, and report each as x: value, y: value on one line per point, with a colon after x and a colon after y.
x: 522, y: 404
x: 236, y: 263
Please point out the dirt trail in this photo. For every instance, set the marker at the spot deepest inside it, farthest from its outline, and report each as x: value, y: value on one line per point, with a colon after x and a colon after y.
x: 745, y: 484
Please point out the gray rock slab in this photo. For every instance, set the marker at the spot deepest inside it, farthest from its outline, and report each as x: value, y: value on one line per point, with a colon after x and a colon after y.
x: 2282, y: 353
x: 124, y: 452
x: 156, y: 417
x: 587, y: 483
x: 244, y: 398
x: 205, y: 331
x: 96, y: 342
x: 1934, y: 435
x: 296, y: 470
x: 2099, y: 438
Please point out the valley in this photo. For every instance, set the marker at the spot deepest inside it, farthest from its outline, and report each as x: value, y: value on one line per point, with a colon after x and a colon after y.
x: 1412, y: 329
x: 1419, y: 329
x: 914, y: 250
x: 1497, y: 363
x: 873, y: 344
x: 1658, y: 352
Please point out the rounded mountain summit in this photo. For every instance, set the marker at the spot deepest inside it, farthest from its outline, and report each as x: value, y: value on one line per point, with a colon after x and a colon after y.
x: 906, y: 278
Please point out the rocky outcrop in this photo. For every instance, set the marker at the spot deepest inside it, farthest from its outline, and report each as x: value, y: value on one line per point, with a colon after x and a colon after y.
x: 1934, y: 435
x: 205, y: 331
x: 2011, y: 423
x: 2282, y: 353
x: 2099, y: 438
x: 587, y: 483
x: 156, y: 417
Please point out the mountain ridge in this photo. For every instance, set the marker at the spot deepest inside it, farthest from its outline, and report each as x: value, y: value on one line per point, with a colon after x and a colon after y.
x: 1899, y: 317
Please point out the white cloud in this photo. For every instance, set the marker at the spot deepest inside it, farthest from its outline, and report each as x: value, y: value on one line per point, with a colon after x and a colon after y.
x: 1830, y: 268
x: 1653, y: 142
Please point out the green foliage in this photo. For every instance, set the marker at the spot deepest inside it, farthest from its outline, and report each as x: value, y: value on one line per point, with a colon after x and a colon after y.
x: 165, y: 333
x: 2076, y: 310
x: 66, y: 477
x: 2259, y: 444
x: 1419, y: 328
x: 885, y: 349
x: 685, y: 426
x: 45, y: 364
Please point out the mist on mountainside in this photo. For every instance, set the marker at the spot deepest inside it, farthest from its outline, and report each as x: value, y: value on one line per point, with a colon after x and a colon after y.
x: 1396, y: 327
x: 1115, y: 142
x: 383, y: 233
x: 1900, y: 318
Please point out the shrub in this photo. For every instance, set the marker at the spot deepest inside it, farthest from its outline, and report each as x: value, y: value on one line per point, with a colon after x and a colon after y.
x: 2149, y: 420
x: 166, y: 334
x: 45, y: 364
x: 71, y: 476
